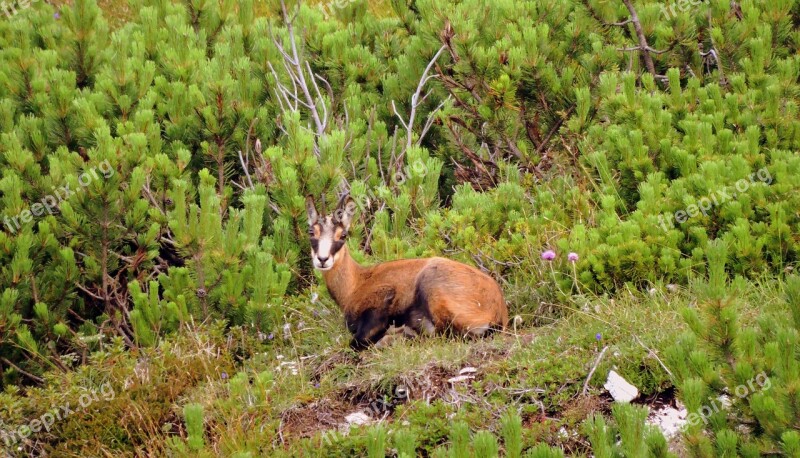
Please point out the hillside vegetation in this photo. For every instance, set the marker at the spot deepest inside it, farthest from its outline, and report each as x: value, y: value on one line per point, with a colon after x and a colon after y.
x: 628, y: 171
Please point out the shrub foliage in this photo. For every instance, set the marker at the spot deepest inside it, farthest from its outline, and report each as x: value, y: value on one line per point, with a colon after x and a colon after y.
x: 154, y: 174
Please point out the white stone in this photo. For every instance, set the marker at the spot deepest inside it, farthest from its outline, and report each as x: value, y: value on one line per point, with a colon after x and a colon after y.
x: 358, y: 419
x: 467, y: 370
x: 620, y: 389
x: 672, y: 288
x: 668, y: 419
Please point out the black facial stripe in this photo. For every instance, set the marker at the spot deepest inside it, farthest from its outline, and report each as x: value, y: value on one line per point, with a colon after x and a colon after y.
x: 314, y: 244
x: 336, y: 246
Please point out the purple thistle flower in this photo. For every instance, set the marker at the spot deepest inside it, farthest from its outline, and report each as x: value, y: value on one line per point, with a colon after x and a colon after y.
x: 548, y: 255
x: 572, y: 257
x: 56, y: 16
x: 224, y: 375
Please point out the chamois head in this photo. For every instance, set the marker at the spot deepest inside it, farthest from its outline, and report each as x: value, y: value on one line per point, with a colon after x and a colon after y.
x: 328, y: 232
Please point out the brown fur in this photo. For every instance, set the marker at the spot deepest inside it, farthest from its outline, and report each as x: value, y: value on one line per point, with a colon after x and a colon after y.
x: 427, y: 295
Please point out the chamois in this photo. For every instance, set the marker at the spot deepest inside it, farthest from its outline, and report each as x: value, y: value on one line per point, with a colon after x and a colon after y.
x: 428, y: 296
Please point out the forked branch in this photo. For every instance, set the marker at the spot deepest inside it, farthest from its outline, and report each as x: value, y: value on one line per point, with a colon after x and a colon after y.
x: 304, y: 91
x: 643, y: 47
x: 418, y: 99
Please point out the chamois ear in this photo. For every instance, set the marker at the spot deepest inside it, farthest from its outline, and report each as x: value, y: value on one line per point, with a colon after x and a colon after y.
x: 345, y: 211
x: 311, y: 210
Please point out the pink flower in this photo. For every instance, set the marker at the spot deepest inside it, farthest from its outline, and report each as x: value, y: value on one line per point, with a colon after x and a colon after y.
x: 548, y: 255
x: 572, y: 257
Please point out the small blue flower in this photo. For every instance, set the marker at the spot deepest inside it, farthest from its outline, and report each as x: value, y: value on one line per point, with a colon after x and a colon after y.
x: 224, y: 375
x: 271, y: 336
x: 598, y: 336
x: 56, y: 16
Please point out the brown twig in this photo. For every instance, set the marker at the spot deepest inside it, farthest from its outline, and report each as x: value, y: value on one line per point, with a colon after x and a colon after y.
x: 35, y: 378
x: 643, y: 46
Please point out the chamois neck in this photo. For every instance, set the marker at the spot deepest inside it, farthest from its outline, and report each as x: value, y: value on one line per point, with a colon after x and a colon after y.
x: 343, y: 278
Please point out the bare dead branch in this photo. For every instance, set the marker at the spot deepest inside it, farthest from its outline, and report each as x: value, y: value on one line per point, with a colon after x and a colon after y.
x: 416, y: 101
x: 643, y: 46
x: 300, y: 72
x: 35, y: 378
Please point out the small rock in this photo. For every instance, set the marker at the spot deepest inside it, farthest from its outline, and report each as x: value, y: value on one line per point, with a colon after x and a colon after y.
x: 620, y: 389
x: 670, y: 420
x: 672, y: 288
x: 467, y: 370
x: 358, y: 419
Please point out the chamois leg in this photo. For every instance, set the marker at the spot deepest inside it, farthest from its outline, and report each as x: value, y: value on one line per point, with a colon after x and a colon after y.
x: 409, y: 333
x: 393, y: 334
x: 419, y: 323
x: 387, y: 340
x: 368, y: 328
x: 477, y: 331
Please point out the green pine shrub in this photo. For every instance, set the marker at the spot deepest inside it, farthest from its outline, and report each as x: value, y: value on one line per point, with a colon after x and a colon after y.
x: 153, y: 174
x: 629, y: 436
x: 738, y: 380
x: 193, y: 416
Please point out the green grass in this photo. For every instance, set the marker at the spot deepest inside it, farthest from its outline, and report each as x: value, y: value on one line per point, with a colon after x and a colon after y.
x: 290, y: 394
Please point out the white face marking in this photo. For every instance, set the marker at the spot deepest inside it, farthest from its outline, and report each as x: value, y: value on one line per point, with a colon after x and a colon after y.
x: 328, y: 231
x: 322, y: 258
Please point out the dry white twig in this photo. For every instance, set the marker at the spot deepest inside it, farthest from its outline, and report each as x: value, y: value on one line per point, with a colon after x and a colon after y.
x: 416, y: 101
x: 299, y: 71
x: 594, y: 368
